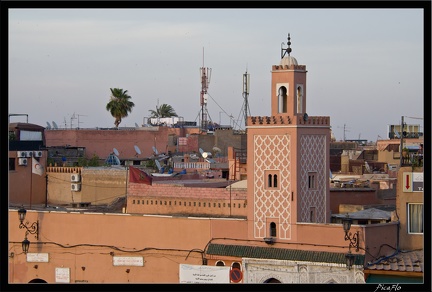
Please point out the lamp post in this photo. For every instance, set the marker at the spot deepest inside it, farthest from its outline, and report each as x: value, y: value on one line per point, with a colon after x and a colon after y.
x: 30, y: 228
x: 353, y: 241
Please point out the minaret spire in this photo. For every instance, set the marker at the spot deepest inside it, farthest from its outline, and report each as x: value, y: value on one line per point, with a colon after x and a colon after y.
x: 287, y: 50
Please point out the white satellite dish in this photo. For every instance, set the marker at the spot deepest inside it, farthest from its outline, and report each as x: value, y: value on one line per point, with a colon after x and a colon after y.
x: 137, y: 150
x: 155, y: 150
x: 115, y: 151
x: 205, y: 154
x: 397, y: 134
x: 216, y: 149
x: 158, y: 164
x: 48, y: 125
x: 55, y: 125
x: 368, y: 168
x: 136, y: 125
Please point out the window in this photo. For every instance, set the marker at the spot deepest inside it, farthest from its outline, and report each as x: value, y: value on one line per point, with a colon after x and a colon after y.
x: 11, y: 163
x: 282, y: 99
x: 272, y: 229
x: 311, y: 180
x: 299, y: 99
x: 272, y: 179
x: 236, y: 265
x: 312, y: 215
x: 220, y: 263
x: 415, y: 218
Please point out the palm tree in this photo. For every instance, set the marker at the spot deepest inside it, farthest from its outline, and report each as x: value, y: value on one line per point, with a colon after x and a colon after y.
x: 164, y: 111
x: 119, y: 105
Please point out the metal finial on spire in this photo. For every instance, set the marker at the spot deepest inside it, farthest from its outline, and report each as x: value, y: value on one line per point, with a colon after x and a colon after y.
x: 287, y: 50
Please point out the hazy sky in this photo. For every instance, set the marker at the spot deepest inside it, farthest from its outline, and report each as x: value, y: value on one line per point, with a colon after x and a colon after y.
x: 365, y: 66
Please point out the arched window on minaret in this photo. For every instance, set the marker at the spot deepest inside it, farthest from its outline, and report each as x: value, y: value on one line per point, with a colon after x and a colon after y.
x: 269, y: 182
x: 299, y: 99
x: 275, y: 181
x: 282, y: 99
x: 272, y: 229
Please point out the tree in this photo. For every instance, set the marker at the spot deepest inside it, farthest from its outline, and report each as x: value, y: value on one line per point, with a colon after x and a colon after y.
x: 119, y: 105
x: 164, y: 111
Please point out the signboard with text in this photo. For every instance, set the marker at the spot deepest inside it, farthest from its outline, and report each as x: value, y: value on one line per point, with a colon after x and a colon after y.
x: 412, y: 182
x: 204, y: 274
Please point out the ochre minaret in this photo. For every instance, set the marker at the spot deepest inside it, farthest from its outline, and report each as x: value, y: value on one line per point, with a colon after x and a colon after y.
x: 288, y: 159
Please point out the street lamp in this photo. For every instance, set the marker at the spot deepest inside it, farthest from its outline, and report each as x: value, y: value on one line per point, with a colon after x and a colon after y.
x: 349, y: 260
x: 353, y: 238
x: 353, y: 241
x: 30, y: 229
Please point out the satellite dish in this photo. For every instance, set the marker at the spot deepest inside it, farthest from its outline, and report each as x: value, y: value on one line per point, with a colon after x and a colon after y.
x: 55, y: 125
x: 155, y: 150
x: 158, y: 164
x: 205, y: 154
x: 305, y: 117
x: 48, y: 125
x: 397, y: 134
x: 216, y: 149
x: 136, y: 125
x: 368, y: 168
x: 137, y: 150
x: 115, y: 151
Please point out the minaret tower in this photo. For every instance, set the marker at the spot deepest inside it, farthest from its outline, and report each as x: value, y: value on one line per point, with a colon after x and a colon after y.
x: 288, y: 159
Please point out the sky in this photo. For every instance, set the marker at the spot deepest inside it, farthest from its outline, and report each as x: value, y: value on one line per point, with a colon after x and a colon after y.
x: 365, y: 67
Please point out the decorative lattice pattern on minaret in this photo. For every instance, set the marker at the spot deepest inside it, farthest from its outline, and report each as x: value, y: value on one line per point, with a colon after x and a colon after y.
x: 312, y: 159
x: 272, y: 152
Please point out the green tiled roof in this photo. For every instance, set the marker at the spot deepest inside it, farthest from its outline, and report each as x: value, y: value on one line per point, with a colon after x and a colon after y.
x: 243, y: 251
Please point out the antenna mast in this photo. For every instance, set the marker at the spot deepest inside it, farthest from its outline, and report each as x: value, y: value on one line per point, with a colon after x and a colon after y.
x: 205, y: 81
x: 245, y: 95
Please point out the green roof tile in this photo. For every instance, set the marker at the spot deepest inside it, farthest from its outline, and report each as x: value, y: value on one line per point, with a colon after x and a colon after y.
x: 279, y: 254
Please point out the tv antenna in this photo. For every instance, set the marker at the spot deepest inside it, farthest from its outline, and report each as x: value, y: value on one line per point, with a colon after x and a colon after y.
x: 73, y: 117
x: 344, y: 131
x: 79, y: 120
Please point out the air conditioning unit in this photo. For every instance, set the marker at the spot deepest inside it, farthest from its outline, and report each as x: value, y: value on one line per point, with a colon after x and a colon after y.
x: 22, y: 161
x: 75, y: 177
x: 29, y: 153
x: 21, y: 153
x: 37, y: 153
x: 75, y: 187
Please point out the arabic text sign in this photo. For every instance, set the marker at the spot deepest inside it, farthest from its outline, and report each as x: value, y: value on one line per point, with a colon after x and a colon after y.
x: 204, y: 274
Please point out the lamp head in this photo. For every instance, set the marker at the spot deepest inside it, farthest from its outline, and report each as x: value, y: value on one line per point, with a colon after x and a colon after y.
x: 22, y: 213
x: 349, y: 260
x: 346, y: 223
x: 25, y: 245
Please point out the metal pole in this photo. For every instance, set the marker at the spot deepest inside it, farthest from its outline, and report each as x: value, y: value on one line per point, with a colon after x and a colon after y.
x: 401, y: 142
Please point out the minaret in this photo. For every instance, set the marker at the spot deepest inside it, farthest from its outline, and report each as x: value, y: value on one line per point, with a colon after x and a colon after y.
x: 288, y: 159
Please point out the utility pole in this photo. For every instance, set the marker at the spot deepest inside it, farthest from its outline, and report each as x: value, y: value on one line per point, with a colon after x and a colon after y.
x: 401, y: 141
x: 245, y: 96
